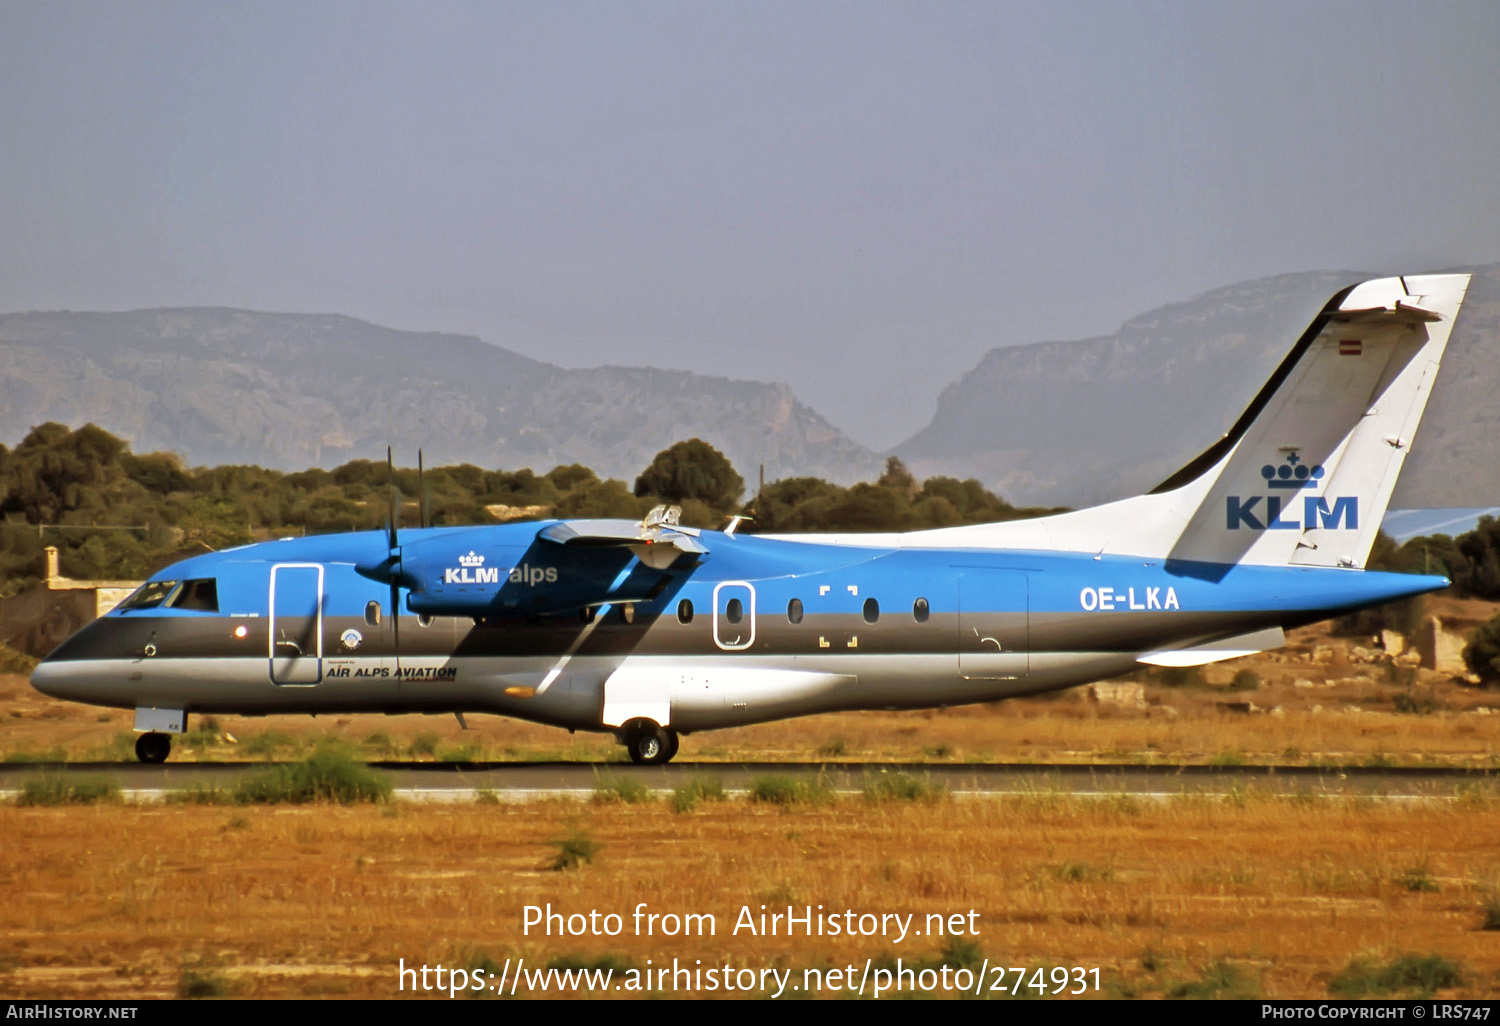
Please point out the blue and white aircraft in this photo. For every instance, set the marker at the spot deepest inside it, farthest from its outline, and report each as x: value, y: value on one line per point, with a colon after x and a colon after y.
x: 653, y: 630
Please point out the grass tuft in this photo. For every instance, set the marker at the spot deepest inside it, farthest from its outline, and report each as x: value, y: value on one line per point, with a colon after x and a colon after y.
x: 687, y: 797
x: 1490, y: 912
x: 1416, y: 975
x: 786, y: 790
x: 616, y: 789
x: 55, y: 789
x: 200, y: 795
x: 1416, y: 702
x: 57, y: 753
x: 1220, y: 980
x: 1418, y: 879
x: 575, y: 850
x: 901, y: 787
x: 199, y: 982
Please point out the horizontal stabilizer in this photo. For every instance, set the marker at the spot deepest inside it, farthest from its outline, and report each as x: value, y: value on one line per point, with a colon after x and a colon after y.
x: 1216, y: 651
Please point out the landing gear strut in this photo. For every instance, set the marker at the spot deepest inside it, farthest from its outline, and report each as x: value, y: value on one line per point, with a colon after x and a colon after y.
x: 650, y: 744
x: 153, y: 747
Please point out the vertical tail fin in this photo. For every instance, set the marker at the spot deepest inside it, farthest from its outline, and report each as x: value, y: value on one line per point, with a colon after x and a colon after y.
x: 1305, y: 475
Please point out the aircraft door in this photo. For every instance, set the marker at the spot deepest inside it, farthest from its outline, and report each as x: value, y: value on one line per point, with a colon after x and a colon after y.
x: 993, y: 625
x: 734, y: 615
x: 296, y: 623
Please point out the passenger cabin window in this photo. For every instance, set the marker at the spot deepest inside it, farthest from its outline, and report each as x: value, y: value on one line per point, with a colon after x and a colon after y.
x: 148, y: 595
x: 201, y: 596
x: 794, y: 611
x: 372, y: 614
x: 685, y: 611
x: 872, y: 610
x: 919, y: 610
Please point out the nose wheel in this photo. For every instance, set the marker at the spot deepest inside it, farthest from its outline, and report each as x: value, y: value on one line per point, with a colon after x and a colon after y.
x: 651, y: 745
x: 153, y: 747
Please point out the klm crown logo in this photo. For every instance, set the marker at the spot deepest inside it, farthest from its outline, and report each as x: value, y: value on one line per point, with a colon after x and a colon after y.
x: 1279, y: 512
x: 472, y: 559
x: 1292, y: 474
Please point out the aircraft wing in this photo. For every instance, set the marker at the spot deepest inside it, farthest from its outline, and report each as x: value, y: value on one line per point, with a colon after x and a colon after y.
x: 657, y: 541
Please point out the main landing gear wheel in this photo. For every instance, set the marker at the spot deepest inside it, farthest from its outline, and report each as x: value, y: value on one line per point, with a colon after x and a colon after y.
x: 153, y: 747
x: 651, y: 745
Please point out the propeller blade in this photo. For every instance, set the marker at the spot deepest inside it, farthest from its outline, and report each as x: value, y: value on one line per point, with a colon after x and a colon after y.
x: 395, y: 510
x: 396, y: 621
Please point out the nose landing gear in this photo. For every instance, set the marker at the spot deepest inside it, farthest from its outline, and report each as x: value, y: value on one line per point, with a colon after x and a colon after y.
x: 153, y: 747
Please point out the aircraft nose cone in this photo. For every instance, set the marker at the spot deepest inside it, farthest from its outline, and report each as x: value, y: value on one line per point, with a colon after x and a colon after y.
x: 45, y: 678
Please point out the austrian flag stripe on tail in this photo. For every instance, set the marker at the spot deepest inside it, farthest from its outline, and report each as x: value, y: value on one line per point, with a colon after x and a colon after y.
x: 1350, y: 346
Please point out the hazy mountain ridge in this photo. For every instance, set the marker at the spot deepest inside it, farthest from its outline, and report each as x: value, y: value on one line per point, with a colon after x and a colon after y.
x: 1083, y: 422
x: 295, y: 390
x: 1068, y: 423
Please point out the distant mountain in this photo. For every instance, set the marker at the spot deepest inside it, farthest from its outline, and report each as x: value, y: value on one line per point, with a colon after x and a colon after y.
x: 295, y: 390
x: 1076, y: 423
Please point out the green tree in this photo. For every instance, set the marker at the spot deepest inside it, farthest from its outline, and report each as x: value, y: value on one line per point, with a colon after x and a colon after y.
x: 692, y: 470
x: 1482, y: 653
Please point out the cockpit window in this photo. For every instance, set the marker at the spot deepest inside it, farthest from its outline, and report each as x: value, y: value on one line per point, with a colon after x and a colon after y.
x: 201, y: 596
x: 149, y: 595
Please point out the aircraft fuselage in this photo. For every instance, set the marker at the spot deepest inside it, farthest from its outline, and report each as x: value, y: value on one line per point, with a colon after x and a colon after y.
x: 759, y: 629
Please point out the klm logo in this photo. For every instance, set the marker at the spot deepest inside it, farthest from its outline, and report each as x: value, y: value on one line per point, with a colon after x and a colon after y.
x: 473, y: 571
x: 1279, y: 511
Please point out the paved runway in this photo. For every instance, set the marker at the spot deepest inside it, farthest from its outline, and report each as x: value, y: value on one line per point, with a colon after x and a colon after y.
x: 528, y: 781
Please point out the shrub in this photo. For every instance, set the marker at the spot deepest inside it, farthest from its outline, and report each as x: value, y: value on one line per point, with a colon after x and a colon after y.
x: 1482, y: 653
x: 327, y: 775
x: 1418, y: 703
x: 12, y: 661
x: 1181, y: 677
x: 1245, y: 680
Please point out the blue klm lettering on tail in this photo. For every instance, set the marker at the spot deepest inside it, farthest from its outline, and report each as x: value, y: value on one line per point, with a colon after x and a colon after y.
x: 1292, y: 474
x: 1315, y: 513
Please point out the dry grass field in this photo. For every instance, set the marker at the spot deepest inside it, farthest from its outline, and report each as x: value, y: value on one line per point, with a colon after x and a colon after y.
x: 1237, y: 896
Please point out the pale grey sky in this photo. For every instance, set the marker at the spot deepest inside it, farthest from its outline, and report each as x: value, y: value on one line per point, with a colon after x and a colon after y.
x: 858, y: 199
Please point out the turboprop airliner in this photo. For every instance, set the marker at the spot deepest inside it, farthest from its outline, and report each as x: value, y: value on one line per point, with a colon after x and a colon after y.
x: 655, y: 630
